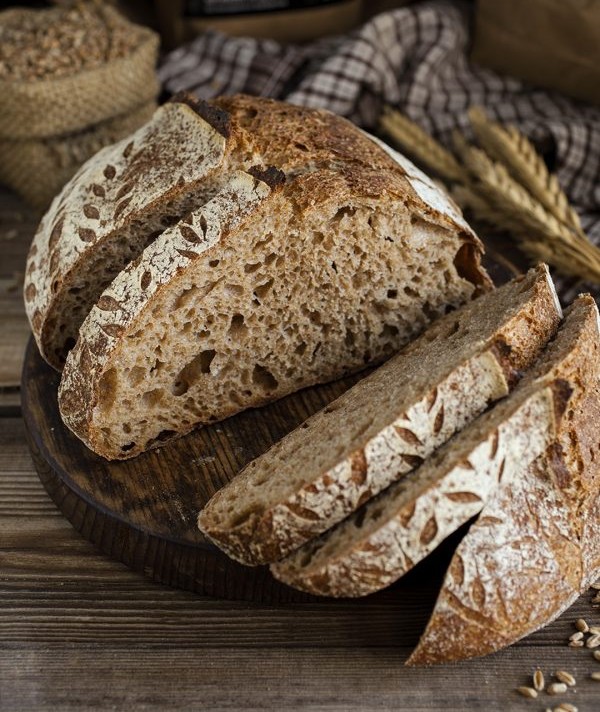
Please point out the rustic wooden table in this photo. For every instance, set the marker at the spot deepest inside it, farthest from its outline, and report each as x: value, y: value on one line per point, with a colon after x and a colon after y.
x: 79, y: 631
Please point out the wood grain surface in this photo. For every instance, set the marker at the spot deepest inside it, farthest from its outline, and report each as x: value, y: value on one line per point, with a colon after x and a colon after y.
x: 79, y: 631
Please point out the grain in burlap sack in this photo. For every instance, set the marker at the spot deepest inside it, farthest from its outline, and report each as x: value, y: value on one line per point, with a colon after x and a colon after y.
x: 38, y: 168
x: 54, y: 106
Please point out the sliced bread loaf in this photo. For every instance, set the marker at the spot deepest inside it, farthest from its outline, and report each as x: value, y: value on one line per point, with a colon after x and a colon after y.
x: 391, y: 533
x: 129, y: 193
x: 336, y: 269
x: 385, y: 425
x: 535, y: 547
x: 113, y: 207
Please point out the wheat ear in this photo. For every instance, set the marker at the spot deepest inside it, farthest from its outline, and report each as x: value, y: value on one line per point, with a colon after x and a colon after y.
x: 511, y: 147
x: 414, y: 140
x: 542, y: 234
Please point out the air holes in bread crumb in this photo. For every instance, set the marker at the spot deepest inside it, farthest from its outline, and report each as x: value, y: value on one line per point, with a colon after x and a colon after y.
x: 233, y: 290
x: 389, y: 331
x: 251, y: 267
x: 152, y: 398
x: 301, y: 348
x: 262, y: 290
x: 264, y: 379
x: 237, y: 328
x: 214, y: 263
x: 136, y: 375
x: 344, y: 212
x: 107, y: 389
x: 392, y: 293
x: 185, y: 297
x: 190, y: 373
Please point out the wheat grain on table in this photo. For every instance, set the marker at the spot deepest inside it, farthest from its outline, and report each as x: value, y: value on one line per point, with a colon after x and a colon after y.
x: 79, y: 631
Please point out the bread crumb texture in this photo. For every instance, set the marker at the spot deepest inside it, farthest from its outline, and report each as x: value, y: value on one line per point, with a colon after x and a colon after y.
x: 256, y: 289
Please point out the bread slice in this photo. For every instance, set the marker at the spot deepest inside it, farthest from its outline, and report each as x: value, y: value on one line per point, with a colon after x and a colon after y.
x: 535, y: 546
x: 385, y: 425
x: 115, y: 205
x: 336, y: 269
x: 391, y: 533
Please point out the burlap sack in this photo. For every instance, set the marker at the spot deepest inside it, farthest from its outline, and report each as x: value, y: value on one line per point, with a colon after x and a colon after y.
x: 38, y: 168
x: 42, y: 108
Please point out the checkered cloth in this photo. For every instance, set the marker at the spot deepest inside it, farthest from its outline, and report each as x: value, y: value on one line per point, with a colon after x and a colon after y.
x: 414, y: 58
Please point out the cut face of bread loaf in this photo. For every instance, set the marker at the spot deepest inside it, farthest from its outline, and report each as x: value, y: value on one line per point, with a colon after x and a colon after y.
x: 129, y: 193
x: 535, y: 546
x: 246, y: 300
x: 385, y: 425
x: 116, y: 204
x: 391, y: 533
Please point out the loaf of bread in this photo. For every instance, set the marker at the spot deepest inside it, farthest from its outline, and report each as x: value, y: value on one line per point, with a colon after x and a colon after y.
x: 270, y: 286
x: 116, y: 204
x: 387, y: 536
x: 535, y: 547
x: 385, y: 425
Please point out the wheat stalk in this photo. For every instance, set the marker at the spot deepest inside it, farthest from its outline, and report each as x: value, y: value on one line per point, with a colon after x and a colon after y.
x: 414, y: 140
x: 511, y: 147
x: 498, y: 195
x: 514, y: 192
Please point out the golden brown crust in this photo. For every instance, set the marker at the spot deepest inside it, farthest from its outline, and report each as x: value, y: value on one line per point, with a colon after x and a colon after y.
x: 538, y: 532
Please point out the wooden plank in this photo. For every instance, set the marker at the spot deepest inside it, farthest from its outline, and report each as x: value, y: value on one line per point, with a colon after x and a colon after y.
x: 65, y: 678
x: 54, y: 586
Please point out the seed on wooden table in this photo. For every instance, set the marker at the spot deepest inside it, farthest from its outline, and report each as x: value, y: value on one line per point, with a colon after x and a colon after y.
x: 527, y: 692
x: 576, y: 644
x: 596, y: 655
x: 596, y: 586
x: 581, y: 625
x: 576, y: 636
x: 593, y: 641
x: 566, y: 677
x: 595, y: 629
x: 538, y: 680
x: 566, y: 707
x: 556, y: 688
x: 595, y: 676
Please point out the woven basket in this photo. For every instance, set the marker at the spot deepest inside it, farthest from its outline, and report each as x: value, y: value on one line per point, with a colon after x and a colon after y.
x: 53, y: 107
x: 37, y: 169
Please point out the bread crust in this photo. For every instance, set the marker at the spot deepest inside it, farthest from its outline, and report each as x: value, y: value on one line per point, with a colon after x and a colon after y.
x: 102, y: 333
x: 337, y: 164
x: 352, y: 562
x: 534, y: 548
x: 445, y: 407
x: 290, y: 137
x: 110, y: 194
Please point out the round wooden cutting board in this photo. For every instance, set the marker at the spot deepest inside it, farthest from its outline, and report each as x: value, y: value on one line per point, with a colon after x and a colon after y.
x: 143, y: 511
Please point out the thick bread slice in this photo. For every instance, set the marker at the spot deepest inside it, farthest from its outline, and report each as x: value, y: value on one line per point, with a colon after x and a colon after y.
x: 124, y: 366
x: 384, y: 426
x: 391, y: 533
x: 113, y: 207
x: 535, y: 547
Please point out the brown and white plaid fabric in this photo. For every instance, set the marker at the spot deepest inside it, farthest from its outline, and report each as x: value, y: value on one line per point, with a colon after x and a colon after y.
x: 414, y: 58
